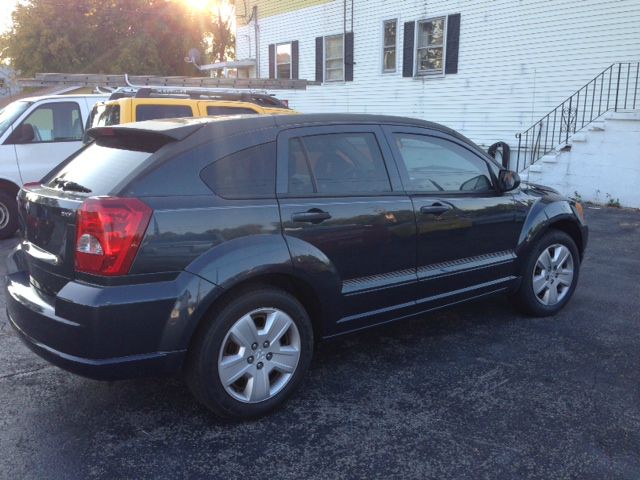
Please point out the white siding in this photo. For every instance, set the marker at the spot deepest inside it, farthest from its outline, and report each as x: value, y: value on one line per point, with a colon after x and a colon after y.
x: 517, y: 59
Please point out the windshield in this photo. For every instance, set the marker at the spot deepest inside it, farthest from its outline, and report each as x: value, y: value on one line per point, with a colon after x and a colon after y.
x: 9, y: 114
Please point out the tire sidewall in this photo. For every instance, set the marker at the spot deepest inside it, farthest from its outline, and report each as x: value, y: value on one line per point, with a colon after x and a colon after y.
x: 9, y: 202
x: 526, y: 295
x: 212, y: 392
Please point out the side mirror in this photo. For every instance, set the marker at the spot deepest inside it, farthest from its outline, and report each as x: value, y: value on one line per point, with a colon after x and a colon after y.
x: 23, y: 134
x: 508, y: 180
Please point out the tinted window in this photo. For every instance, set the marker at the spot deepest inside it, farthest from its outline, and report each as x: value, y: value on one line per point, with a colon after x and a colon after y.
x: 56, y: 122
x: 107, y: 115
x: 154, y: 112
x: 337, y: 164
x: 435, y: 165
x: 249, y: 173
x: 108, y: 168
x: 229, y: 111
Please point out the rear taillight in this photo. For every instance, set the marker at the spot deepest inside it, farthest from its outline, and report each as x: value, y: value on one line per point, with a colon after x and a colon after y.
x: 108, y: 235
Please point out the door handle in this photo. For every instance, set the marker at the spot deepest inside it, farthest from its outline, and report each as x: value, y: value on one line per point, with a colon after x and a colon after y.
x: 436, y: 208
x: 315, y: 215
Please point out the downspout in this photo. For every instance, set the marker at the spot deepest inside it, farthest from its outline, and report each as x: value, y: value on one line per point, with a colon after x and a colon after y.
x: 256, y: 34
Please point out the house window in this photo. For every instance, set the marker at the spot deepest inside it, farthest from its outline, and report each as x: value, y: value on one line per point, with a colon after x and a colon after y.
x: 283, y: 60
x: 430, y: 46
x: 389, y: 47
x: 334, y: 58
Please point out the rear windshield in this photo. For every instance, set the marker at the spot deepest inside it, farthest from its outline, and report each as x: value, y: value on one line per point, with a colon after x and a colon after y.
x: 97, y: 170
x: 154, y: 112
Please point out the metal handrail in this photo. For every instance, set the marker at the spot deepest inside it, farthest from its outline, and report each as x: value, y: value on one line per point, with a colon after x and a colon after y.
x: 585, y: 105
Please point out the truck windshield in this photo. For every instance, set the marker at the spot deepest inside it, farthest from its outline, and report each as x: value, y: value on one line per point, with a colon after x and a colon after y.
x: 9, y: 114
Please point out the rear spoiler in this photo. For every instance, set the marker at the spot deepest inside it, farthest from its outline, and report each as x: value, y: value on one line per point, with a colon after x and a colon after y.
x: 141, y: 139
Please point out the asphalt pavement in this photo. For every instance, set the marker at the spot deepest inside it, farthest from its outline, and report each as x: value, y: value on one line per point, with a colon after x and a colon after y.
x: 476, y: 392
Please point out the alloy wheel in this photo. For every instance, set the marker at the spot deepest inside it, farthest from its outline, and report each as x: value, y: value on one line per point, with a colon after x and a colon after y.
x: 553, y: 274
x: 259, y: 355
x: 4, y: 215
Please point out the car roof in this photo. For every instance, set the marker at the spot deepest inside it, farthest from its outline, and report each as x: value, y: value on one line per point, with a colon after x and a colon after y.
x: 179, y: 128
x: 96, y: 96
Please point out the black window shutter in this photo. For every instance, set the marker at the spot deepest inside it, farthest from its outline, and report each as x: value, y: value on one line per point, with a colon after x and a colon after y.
x: 295, y: 48
x: 348, y: 57
x: 272, y: 61
x: 319, y: 59
x: 453, y: 43
x: 407, y: 49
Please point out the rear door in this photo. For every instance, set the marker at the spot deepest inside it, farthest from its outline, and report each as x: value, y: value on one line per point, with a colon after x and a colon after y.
x: 467, y: 229
x: 339, y: 200
x: 57, y: 133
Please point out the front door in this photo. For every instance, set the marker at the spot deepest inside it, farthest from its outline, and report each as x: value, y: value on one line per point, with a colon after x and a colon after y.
x: 345, y: 217
x: 467, y: 228
x: 56, y: 132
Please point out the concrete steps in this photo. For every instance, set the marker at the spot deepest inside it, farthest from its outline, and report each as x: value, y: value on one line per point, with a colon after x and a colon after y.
x: 601, y: 162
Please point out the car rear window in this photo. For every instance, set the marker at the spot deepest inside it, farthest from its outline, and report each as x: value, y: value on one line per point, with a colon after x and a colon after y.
x: 97, y: 169
x: 229, y: 111
x: 155, y: 112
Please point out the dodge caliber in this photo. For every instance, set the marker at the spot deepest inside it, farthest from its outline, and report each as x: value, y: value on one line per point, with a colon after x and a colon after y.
x: 222, y: 249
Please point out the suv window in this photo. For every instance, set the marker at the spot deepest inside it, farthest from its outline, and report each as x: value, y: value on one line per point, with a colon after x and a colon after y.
x: 109, y: 167
x: 211, y: 110
x: 337, y: 164
x: 249, y: 173
x: 55, y: 122
x: 154, y: 112
x: 435, y: 165
x: 107, y: 115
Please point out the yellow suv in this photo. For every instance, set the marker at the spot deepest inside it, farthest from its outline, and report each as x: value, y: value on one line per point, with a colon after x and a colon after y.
x: 146, y: 104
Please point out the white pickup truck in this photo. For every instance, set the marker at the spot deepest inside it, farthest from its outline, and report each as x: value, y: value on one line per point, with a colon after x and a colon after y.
x: 36, y: 134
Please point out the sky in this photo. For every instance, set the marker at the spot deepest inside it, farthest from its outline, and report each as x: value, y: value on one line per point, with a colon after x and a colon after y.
x: 6, y: 7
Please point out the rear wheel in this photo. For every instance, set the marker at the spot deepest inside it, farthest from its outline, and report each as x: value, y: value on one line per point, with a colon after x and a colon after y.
x: 8, y: 214
x: 252, y: 355
x: 549, y: 276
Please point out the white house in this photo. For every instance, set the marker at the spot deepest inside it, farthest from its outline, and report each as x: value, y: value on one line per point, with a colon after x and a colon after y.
x: 487, y: 68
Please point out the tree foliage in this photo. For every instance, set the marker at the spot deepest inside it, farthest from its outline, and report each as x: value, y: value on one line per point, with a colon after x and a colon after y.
x: 111, y: 36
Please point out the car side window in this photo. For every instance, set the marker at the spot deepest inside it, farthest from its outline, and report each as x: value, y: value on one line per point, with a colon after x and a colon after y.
x: 211, y: 110
x: 249, y: 173
x: 155, y: 112
x: 435, y: 165
x: 52, y: 122
x: 337, y: 164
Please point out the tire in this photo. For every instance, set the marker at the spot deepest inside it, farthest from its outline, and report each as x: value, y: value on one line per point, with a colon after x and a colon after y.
x: 8, y: 214
x: 228, y: 339
x: 536, y: 278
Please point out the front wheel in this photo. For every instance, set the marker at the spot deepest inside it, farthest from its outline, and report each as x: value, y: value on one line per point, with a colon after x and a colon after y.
x: 8, y: 214
x: 549, y: 276
x: 252, y: 355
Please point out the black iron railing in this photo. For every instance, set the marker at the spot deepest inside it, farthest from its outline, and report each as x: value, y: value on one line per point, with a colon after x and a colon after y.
x: 615, y: 88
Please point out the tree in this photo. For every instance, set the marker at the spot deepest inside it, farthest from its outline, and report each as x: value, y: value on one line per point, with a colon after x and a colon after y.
x: 103, y: 36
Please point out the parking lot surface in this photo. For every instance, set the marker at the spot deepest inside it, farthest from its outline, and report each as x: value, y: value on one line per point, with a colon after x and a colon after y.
x: 478, y: 391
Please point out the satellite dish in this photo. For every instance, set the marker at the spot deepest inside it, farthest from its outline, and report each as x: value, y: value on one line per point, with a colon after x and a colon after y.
x: 193, y: 56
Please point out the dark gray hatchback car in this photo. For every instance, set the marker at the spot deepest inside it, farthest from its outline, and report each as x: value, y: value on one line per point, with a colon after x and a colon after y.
x: 224, y: 248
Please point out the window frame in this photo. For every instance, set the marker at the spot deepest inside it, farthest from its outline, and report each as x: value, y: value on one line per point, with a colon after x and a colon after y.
x: 492, y: 167
x: 385, y: 46
x: 326, y: 59
x: 416, y: 48
x: 282, y: 170
x: 277, y: 76
x: 29, y: 112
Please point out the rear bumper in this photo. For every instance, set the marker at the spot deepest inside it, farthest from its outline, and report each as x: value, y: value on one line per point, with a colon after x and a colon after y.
x: 109, y: 332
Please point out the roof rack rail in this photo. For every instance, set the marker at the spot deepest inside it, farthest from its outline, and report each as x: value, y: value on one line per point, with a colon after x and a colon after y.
x: 260, y: 97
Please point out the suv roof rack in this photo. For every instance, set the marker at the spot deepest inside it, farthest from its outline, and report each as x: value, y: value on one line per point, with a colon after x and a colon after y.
x: 259, y: 97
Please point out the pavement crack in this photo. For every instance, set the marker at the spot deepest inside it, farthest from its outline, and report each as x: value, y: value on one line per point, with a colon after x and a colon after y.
x: 23, y: 373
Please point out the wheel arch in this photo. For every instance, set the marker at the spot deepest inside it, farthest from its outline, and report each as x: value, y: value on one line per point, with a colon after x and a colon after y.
x: 9, y: 186
x: 298, y: 287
